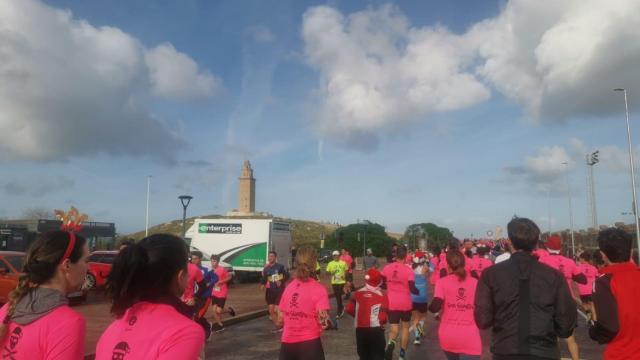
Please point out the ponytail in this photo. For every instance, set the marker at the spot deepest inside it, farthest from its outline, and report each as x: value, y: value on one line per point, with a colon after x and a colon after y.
x: 145, y: 270
x: 456, y: 261
x: 306, y: 259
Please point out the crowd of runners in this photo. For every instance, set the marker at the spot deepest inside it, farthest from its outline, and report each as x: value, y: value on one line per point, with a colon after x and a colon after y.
x: 523, y: 289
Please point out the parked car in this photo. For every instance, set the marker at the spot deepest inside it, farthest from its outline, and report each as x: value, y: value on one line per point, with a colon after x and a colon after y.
x: 11, y: 263
x: 100, y: 263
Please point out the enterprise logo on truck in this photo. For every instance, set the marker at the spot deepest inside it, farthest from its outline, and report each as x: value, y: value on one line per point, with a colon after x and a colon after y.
x: 220, y: 228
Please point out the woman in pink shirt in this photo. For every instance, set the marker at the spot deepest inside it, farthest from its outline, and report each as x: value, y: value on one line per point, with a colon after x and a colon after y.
x: 37, y: 321
x: 454, y: 299
x: 144, y: 286
x: 591, y: 273
x: 303, y: 311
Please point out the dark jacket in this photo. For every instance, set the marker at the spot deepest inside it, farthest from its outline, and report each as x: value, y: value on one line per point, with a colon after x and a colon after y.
x: 529, y: 306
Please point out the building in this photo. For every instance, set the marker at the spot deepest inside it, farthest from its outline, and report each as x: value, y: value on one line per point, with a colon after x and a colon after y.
x: 246, y: 194
x: 17, y: 235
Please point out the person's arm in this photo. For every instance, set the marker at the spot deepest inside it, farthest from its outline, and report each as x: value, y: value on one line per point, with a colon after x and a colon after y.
x: 438, y: 299
x: 443, y: 273
x: 412, y: 287
x: 606, y: 325
x: 577, y: 275
x: 351, y: 307
x: 263, y: 277
x: 202, y: 288
x: 484, y: 308
x: 226, y: 279
x: 565, y: 316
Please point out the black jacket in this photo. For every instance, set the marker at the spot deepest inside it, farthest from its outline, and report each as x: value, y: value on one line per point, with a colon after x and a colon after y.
x: 529, y: 306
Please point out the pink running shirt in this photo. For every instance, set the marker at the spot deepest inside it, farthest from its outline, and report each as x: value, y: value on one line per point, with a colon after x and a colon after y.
x: 435, y: 274
x: 540, y: 253
x: 458, y: 331
x: 566, y: 266
x: 151, y: 331
x: 481, y: 264
x: 58, y: 335
x: 591, y: 273
x: 348, y: 260
x: 398, y: 276
x: 220, y: 290
x: 195, y: 276
x: 300, y: 304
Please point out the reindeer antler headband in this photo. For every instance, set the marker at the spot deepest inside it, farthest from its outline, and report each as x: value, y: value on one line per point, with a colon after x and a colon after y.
x: 72, y: 223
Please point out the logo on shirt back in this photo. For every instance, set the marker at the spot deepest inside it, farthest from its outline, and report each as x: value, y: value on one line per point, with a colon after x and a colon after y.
x: 120, y: 351
x: 461, y: 296
x: 14, y: 338
x: 293, y: 304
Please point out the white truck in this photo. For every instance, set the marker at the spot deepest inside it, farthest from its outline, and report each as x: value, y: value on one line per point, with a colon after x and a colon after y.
x: 242, y: 243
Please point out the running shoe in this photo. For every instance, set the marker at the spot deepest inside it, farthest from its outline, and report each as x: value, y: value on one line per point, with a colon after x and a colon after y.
x: 217, y: 328
x: 420, y: 329
x: 416, y: 341
x: 276, y: 330
x: 388, y: 352
x: 231, y: 311
x: 339, y: 316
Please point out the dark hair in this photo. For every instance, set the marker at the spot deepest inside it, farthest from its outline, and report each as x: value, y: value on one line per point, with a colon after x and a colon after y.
x: 145, y: 271
x: 274, y: 253
x: 454, y: 243
x: 586, y: 256
x: 468, y: 254
x: 598, y: 260
x: 523, y: 233
x: 437, y: 251
x: 483, y: 250
x: 197, y: 253
x: 401, y: 253
x: 126, y: 242
x: 456, y: 261
x: 616, y: 244
x: 215, y: 257
x: 40, y: 265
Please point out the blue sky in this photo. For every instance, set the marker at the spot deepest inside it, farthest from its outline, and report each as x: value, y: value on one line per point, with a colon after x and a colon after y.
x: 458, y: 113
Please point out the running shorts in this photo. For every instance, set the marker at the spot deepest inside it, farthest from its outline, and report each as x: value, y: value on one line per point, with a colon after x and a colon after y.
x: 349, y: 277
x: 395, y: 316
x: 272, y: 297
x: 586, y: 298
x: 420, y: 307
x: 307, y: 350
x: 218, y: 301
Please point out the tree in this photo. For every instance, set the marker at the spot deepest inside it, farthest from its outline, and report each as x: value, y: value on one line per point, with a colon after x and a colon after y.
x: 38, y: 213
x: 435, y: 235
x: 373, y: 234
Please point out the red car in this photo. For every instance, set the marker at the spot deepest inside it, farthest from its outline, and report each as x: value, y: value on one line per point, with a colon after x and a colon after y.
x: 10, y: 268
x: 99, y: 268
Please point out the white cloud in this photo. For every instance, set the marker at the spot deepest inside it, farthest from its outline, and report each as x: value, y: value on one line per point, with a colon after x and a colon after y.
x: 378, y: 71
x: 261, y: 34
x: 37, y: 188
x: 68, y: 88
x: 175, y: 75
x: 548, y: 164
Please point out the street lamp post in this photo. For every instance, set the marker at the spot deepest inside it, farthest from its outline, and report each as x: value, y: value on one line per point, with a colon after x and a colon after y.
x: 631, y: 166
x: 146, y: 226
x: 185, y: 200
x: 573, y: 241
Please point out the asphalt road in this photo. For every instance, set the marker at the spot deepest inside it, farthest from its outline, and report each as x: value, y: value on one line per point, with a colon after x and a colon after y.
x: 253, y: 340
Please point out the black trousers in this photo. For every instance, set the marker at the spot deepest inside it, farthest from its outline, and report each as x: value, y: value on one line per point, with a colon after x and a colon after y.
x: 338, y: 291
x: 370, y: 343
x: 305, y: 350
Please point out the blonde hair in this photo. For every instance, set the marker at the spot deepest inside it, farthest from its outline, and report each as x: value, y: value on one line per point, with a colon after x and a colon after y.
x: 306, y: 259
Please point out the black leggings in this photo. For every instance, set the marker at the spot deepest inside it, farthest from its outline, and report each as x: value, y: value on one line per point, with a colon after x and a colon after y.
x: 371, y: 343
x: 338, y: 291
x: 305, y: 350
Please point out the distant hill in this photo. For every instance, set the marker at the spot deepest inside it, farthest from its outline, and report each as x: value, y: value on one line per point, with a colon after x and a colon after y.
x: 302, y: 231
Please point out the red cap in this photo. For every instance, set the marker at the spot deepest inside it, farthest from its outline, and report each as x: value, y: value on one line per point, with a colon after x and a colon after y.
x: 419, y: 254
x: 554, y: 243
x: 373, y: 277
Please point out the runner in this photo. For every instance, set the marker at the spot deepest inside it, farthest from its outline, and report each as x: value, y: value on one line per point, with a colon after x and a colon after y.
x: 454, y: 298
x: 202, y: 294
x: 434, y: 262
x: 585, y: 290
x: 480, y: 261
x: 369, y: 261
x: 338, y: 269
x: 219, y: 294
x: 400, y: 283
x: 144, y: 286
x: 346, y: 257
x: 369, y: 309
x: 274, y: 277
x: 303, y: 311
x: 195, y: 277
x: 419, y: 302
x: 570, y: 271
x: 37, y: 321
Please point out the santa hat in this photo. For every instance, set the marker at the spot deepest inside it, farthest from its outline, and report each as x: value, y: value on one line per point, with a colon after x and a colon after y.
x: 373, y: 277
x: 554, y: 243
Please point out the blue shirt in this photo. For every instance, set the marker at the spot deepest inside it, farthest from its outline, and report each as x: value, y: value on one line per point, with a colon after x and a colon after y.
x: 421, y: 284
x: 273, y: 273
x: 210, y: 278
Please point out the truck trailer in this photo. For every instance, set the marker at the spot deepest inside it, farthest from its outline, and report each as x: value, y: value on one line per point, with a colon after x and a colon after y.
x: 242, y: 243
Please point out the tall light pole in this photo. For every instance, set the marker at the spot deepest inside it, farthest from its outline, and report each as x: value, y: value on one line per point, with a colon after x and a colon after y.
x: 573, y: 241
x: 592, y: 159
x: 185, y: 200
x: 146, y: 223
x: 631, y: 167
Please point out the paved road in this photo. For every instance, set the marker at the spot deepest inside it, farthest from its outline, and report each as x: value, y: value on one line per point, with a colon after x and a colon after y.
x: 253, y: 340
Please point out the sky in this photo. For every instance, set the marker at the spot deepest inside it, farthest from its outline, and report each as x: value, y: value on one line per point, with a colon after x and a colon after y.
x: 459, y: 113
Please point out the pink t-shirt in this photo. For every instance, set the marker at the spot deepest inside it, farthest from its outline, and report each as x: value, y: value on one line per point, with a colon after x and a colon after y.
x: 220, y: 290
x: 435, y: 275
x: 195, y: 276
x: 480, y: 264
x: 151, y: 331
x: 300, y: 304
x: 458, y: 331
x: 398, y: 276
x: 566, y: 266
x: 349, y: 260
x: 58, y: 335
x: 540, y: 253
x: 591, y: 272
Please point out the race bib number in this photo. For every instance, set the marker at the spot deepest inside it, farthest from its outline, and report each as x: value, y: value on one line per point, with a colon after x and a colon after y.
x: 216, y: 288
x: 276, y: 277
x: 338, y: 277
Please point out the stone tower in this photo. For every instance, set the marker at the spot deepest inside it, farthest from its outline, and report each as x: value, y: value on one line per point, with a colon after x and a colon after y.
x: 247, y: 190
